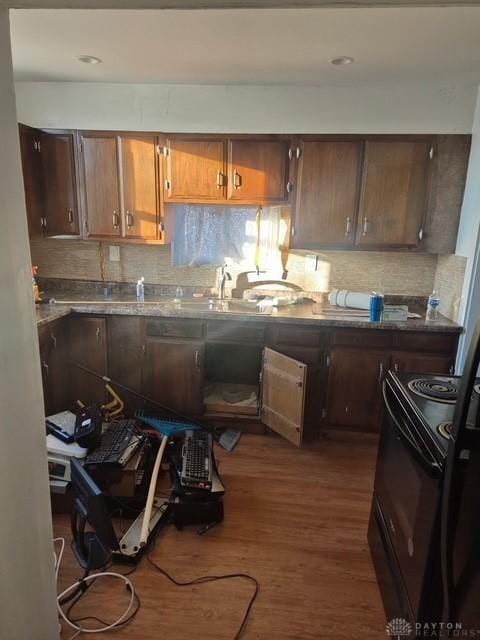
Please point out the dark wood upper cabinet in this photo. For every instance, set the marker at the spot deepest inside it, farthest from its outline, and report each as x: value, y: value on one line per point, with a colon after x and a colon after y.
x: 394, y: 189
x: 30, y: 148
x: 140, y: 186
x: 58, y: 163
x: 258, y: 171
x: 101, y: 185
x: 327, y: 194
x: 194, y: 169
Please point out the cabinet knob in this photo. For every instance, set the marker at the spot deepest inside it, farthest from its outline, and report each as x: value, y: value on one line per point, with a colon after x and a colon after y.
x: 366, y: 226
x: 380, y: 372
x: 237, y: 179
x: 220, y: 180
x: 347, y: 226
x: 289, y: 187
x: 130, y: 219
x: 197, y: 360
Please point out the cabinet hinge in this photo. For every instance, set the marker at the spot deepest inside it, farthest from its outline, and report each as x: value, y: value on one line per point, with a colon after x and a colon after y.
x: 324, y: 414
x: 80, y: 146
x: 168, y: 184
x: 420, y: 234
x: 431, y: 153
x: 290, y: 153
x: 298, y: 153
x: 163, y: 151
x: 37, y: 146
x: 161, y: 226
x: 293, y: 232
x: 289, y: 187
x: 327, y: 360
x: 86, y: 226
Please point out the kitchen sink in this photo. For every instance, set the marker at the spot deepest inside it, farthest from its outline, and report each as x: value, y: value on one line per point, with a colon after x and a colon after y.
x: 217, y: 305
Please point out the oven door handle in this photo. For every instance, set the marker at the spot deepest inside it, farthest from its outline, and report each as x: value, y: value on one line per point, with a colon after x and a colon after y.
x: 431, y: 465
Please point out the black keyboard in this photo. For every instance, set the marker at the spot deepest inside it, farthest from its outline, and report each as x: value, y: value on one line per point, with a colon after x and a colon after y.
x: 119, y: 443
x: 197, y: 460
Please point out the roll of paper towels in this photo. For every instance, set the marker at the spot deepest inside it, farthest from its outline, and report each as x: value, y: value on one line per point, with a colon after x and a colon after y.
x: 351, y: 299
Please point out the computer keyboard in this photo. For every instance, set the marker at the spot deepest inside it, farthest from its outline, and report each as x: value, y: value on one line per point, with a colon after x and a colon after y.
x: 119, y: 443
x: 197, y: 460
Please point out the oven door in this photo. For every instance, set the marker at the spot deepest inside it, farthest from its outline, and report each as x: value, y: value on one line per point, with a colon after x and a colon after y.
x: 407, y: 485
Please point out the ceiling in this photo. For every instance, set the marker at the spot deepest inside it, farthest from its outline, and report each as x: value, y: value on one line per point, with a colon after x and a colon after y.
x: 259, y: 46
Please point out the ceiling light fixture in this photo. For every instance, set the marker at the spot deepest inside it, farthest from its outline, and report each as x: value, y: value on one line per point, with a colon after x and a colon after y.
x: 89, y: 59
x: 341, y: 60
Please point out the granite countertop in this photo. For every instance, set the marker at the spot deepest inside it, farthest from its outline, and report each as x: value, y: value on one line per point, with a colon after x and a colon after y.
x: 301, y: 314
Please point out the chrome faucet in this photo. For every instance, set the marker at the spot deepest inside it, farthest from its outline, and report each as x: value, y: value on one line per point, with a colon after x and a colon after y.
x: 224, y: 277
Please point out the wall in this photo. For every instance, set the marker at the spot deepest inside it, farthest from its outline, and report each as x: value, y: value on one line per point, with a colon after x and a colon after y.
x: 252, y: 109
x: 402, y: 273
x: 469, y: 240
x: 27, y: 584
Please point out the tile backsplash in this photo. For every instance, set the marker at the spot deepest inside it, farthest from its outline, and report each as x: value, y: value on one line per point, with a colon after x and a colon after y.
x: 399, y: 273
x: 448, y: 284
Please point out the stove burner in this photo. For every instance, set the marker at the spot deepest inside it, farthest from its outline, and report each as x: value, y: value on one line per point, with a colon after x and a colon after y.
x: 445, y: 429
x: 438, y: 390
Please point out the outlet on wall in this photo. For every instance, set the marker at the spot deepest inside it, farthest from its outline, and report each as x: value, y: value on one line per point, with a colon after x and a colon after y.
x: 311, y: 262
x: 114, y: 253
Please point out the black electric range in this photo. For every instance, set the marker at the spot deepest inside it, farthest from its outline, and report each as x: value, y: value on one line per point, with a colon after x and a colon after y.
x: 414, y: 494
x: 430, y: 402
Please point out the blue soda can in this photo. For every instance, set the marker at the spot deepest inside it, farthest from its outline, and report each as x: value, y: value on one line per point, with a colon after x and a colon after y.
x: 376, y: 307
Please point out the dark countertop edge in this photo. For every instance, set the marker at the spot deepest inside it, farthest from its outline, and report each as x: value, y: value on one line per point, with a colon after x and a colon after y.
x: 49, y: 313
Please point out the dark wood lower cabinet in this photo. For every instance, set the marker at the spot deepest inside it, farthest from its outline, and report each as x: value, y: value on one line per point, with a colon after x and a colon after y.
x: 172, y: 373
x: 53, y: 343
x: 423, y: 363
x: 304, y: 385
x: 354, y: 387
x: 87, y: 345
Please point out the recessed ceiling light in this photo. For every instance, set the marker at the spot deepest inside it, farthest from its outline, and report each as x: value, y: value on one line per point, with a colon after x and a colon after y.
x: 341, y: 60
x: 89, y: 59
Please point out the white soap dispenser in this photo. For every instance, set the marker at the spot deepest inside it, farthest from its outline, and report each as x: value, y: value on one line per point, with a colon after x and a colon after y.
x: 140, y: 290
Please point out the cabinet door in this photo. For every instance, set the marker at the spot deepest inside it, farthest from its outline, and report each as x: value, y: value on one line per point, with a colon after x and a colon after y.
x: 327, y: 194
x: 283, y: 395
x: 354, y: 387
x: 422, y: 363
x: 195, y: 170
x: 173, y: 374
x: 58, y: 162
x: 258, y: 170
x: 87, y: 346
x: 30, y: 148
x: 101, y: 189
x: 45, y: 346
x: 125, y: 355
x: 140, y: 186
x: 54, y: 365
x: 394, y: 188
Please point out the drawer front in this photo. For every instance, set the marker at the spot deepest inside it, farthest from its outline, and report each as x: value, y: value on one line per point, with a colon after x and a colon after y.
x: 362, y: 338
x: 171, y: 328
x: 307, y: 355
x: 233, y: 332
x: 427, y: 342
x: 296, y: 337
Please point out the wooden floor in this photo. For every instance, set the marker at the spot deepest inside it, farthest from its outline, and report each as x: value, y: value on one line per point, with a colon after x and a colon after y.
x: 294, y: 519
